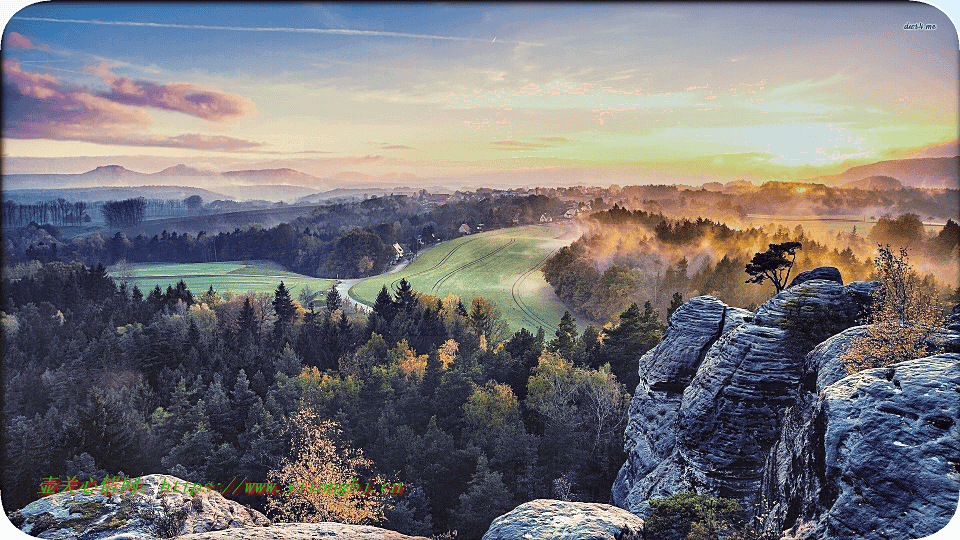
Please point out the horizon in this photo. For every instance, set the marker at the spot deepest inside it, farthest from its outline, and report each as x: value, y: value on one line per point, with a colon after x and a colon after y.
x: 528, y: 95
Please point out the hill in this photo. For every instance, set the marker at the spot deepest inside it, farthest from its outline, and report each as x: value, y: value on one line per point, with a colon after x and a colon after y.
x: 878, y: 182
x: 920, y: 172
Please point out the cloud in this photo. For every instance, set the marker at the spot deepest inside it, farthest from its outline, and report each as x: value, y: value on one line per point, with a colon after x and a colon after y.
x: 396, y: 147
x: 211, y: 105
x: 336, y: 31
x: 195, y: 141
x: 366, y: 159
x: 517, y: 145
x: 16, y: 40
x: 553, y: 139
x: 38, y: 106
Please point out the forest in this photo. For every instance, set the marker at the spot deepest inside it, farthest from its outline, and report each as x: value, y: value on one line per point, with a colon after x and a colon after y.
x: 207, y: 386
x: 339, y: 240
x: 635, y: 256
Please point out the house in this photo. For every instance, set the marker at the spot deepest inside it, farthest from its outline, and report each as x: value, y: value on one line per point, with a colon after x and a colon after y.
x: 399, y: 250
x: 570, y: 214
x: 465, y: 229
x: 545, y: 218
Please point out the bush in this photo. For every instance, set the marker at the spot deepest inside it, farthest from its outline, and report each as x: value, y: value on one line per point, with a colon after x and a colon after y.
x: 903, y: 316
x: 687, y: 515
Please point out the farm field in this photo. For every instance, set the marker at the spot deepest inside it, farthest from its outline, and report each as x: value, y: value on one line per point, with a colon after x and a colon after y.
x: 236, y: 276
x: 502, y: 266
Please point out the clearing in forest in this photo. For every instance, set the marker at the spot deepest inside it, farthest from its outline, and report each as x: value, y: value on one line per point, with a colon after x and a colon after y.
x: 502, y: 266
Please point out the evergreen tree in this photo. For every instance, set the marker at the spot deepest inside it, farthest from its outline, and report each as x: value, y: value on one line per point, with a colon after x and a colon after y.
x: 486, y: 499
x: 285, y: 310
x: 333, y: 300
x: 566, y: 338
x: 406, y: 298
x: 624, y: 344
x: 383, y: 305
x: 675, y: 303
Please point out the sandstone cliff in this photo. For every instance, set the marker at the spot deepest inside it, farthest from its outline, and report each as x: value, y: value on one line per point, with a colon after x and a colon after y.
x: 759, y: 407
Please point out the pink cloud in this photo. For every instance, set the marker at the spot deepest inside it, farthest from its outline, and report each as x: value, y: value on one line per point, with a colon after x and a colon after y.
x: 38, y: 106
x: 16, y: 40
x: 554, y: 139
x: 212, y: 104
x: 397, y: 147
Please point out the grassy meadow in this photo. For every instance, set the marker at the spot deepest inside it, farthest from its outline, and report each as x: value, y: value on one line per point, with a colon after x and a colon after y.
x: 502, y: 266
x: 236, y: 276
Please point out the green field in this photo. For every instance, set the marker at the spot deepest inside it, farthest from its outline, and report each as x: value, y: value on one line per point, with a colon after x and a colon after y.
x: 238, y: 277
x: 502, y: 266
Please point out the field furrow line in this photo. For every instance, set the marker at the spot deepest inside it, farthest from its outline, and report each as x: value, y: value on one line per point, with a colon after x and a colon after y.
x: 439, y: 282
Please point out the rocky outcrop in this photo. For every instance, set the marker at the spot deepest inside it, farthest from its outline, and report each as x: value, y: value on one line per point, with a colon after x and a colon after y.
x: 303, y: 531
x: 871, y: 455
x: 665, y: 371
x: 828, y: 273
x: 711, y: 432
x: 148, y: 512
x: 562, y: 520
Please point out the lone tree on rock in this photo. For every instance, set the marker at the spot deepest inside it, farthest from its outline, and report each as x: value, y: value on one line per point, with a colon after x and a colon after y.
x: 773, y: 264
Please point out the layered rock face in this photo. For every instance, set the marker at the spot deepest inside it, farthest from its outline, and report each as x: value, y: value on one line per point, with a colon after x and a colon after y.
x: 707, y: 409
x: 562, y: 520
x: 763, y: 410
x: 148, y: 512
x: 875, y: 454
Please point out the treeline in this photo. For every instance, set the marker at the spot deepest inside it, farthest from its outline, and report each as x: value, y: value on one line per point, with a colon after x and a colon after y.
x: 471, y: 420
x: 600, y: 274
x: 340, y: 240
x: 125, y: 213
x: 58, y: 212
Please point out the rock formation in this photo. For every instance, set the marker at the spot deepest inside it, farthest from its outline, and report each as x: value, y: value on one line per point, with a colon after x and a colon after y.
x: 156, y: 511
x: 763, y: 410
x: 561, y: 520
x: 303, y: 531
x: 869, y: 455
x: 148, y: 512
x: 706, y: 410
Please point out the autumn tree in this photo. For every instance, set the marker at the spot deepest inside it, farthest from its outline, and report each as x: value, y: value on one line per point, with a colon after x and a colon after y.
x: 773, y: 264
x: 902, y: 317
x: 321, y: 457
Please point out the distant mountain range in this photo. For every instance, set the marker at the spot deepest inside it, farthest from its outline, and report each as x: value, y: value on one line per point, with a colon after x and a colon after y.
x: 286, y: 184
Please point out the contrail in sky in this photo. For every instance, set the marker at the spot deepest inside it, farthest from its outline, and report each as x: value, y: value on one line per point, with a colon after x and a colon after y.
x: 339, y: 31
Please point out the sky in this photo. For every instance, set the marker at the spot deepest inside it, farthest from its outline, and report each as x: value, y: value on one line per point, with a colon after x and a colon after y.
x: 652, y: 92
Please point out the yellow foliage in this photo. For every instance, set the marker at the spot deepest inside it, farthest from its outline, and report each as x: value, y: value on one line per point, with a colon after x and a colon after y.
x: 903, y: 315
x: 448, y: 352
x: 406, y: 361
x: 492, y: 405
x: 320, y: 457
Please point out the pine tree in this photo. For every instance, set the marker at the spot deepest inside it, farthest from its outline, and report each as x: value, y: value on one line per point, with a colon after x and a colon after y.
x: 333, y: 300
x: 406, y: 298
x: 637, y: 333
x: 486, y: 499
x: 285, y: 310
x: 675, y: 304
x: 383, y: 306
x: 566, y: 338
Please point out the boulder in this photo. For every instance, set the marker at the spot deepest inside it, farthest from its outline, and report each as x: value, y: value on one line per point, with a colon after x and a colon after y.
x: 562, y: 520
x: 303, y: 531
x: 148, y: 512
x: 715, y: 438
x: 828, y: 273
x: 872, y: 455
